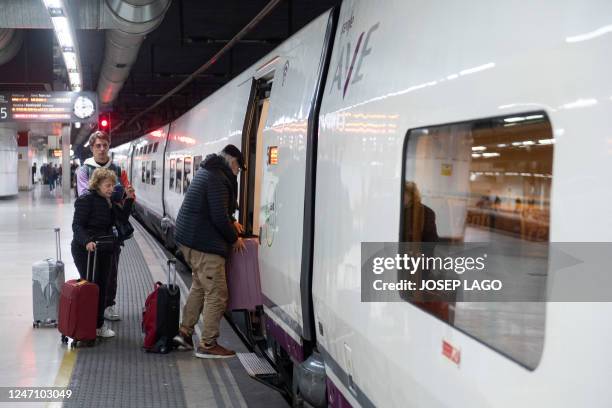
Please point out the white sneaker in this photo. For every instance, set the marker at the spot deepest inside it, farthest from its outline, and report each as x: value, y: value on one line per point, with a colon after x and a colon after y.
x: 105, y: 332
x: 110, y: 313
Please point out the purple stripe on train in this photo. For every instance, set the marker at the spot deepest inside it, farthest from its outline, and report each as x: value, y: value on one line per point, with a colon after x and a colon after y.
x: 292, y: 347
x: 335, y: 399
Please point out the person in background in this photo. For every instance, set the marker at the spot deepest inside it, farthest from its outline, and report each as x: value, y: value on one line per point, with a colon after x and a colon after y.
x: 94, y: 218
x: 34, y: 173
x: 206, y: 232
x: 51, y: 174
x: 99, y: 143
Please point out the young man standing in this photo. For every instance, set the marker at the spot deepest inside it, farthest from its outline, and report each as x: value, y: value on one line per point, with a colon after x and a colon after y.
x: 99, y: 143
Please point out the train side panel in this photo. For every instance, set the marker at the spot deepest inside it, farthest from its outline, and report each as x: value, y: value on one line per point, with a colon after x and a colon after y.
x: 423, y: 66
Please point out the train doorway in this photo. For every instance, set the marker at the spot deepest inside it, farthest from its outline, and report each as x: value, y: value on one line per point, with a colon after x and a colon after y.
x: 251, y: 179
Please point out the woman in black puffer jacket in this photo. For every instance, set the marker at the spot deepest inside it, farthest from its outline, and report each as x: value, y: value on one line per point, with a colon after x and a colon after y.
x: 94, y: 218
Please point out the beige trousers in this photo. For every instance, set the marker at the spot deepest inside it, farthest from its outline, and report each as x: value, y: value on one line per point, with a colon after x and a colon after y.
x: 208, y: 293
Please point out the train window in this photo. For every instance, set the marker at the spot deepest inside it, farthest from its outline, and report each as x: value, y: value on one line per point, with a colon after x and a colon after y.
x: 179, y: 176
x: 144, y: 170
x: 196, y: 164
x: 155, y: 147
x: 172, y: 174
x: 148, y: 175
x: 153, y: 165
x: 187, y: 175
x: 486, y: 181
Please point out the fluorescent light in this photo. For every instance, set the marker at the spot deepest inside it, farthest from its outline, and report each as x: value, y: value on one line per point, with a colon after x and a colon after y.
x: 528, y: 143
x: 476, y: 155
x: 514, y: 119
x: 502, y: 145
x: 62, y: 31
x: 478, y: 148
x: 546, y: 141
x: 53, y: 3
x: 490, y: 154
x: 70, y: 60
x: 590, y: 35
x: 517, y: 143
x: 477, y: 69
x: 75, y: 78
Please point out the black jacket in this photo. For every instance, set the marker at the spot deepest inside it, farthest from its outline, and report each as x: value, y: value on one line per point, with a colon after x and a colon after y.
x: 93, y: 218
x: 204, y: 222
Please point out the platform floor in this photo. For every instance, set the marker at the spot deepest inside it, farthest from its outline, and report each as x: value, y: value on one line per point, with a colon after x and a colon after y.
x: 117, y: 372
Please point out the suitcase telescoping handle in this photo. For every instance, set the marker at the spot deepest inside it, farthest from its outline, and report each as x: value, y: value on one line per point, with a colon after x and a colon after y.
x: 58, y: 247
x: 171, y: 262
x: 93, y: 273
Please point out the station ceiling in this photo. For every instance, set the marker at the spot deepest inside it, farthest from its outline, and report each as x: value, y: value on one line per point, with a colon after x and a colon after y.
x: 190, y: 34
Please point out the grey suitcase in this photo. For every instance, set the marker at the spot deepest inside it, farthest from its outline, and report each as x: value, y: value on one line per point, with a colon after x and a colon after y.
x: 47, y: 280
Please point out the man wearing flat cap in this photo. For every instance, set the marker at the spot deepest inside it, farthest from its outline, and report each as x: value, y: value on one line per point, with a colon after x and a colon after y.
x: 206, y: 233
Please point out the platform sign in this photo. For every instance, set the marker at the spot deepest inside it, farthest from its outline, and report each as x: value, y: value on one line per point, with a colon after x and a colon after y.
x: 48, y: 107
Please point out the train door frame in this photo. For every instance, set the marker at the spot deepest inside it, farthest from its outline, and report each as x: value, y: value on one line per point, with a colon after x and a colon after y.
x: 252, y: 150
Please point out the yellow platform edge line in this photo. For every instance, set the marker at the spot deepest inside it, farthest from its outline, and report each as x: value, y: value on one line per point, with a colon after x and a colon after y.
x: 65, y: 372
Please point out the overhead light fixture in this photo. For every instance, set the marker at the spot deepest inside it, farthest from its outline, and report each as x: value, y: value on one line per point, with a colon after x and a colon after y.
x: 53, y: 3
x: 64, y: 34
x: 546, y: 141
x: 478, y: 148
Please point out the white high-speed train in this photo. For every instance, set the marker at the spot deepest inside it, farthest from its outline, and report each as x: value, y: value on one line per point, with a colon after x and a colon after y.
x: 495, y: 116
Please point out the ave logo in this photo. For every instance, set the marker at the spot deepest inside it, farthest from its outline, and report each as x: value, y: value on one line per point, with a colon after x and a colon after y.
x: 347, y: 69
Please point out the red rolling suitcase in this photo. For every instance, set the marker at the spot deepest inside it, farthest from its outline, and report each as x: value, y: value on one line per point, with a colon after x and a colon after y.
x: 78, y: 308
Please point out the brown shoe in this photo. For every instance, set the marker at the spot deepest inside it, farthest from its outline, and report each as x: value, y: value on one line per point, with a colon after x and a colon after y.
x: 214, y: 351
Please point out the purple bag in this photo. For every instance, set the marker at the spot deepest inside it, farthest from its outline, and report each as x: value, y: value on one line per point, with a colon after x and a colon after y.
x: 243, y: 281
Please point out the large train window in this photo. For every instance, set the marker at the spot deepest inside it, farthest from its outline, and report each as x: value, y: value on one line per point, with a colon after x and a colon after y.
x: 485, y: 181
x: 196, y: 164
x: 153, y: 165
x: 148, y: 173
x: 187, y: 174
x: 172, y: 174
x: 179, y: 176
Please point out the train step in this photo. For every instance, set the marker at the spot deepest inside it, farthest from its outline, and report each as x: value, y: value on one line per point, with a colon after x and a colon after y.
x: 256, y: 366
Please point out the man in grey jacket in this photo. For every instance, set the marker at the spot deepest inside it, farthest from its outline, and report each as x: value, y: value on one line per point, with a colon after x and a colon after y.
x: 206, y: 232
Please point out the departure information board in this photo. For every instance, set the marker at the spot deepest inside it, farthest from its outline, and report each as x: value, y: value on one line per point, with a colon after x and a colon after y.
x: 48, y: 107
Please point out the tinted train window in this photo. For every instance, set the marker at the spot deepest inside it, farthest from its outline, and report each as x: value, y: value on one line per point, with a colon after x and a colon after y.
x: 148, y: 174
x: 196, y: 164
x: 484, y: 181
x: 179, y: 175
x: 172, y: 174
x: 144, y: 171
x: 155, y: 147
x: 187, y: 174
x: 153, y: 165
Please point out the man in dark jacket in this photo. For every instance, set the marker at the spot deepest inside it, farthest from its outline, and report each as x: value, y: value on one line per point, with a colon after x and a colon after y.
x: 206, y: 232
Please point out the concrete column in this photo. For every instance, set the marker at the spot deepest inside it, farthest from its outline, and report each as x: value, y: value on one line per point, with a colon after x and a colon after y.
x: 66, y: 193
x: 8, y: 160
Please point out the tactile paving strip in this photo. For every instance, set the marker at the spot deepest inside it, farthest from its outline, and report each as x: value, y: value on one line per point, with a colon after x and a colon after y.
x: 117, y: 372
x: 255, y: 365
